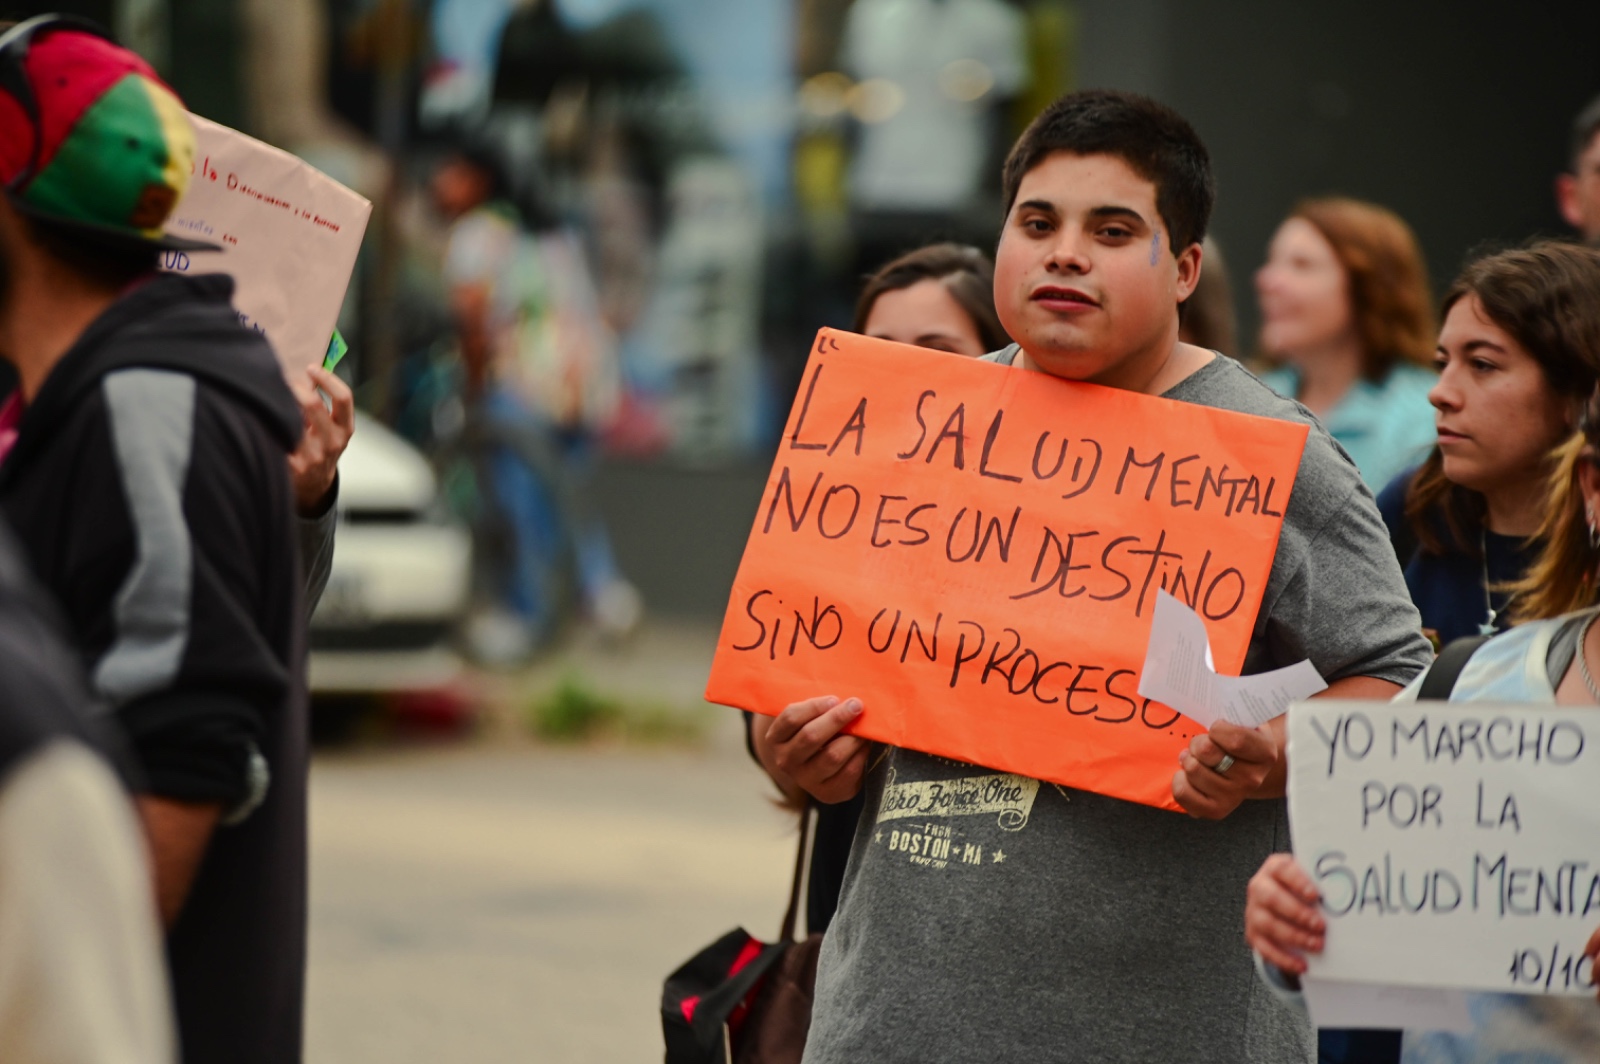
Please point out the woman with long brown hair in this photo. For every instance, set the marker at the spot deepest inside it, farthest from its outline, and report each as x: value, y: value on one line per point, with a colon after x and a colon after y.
x: 1345, y: 313
x: 1518, y: 351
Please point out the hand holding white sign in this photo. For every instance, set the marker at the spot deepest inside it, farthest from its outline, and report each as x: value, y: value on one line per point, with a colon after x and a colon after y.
x: 1451, y: 847
x: 1282, y: 921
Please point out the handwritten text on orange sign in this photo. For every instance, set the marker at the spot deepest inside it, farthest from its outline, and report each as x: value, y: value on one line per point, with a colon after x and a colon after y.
x: 974, y: 551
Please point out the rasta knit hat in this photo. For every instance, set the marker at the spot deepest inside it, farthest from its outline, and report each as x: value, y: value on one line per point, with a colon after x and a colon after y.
x: 91, y: 140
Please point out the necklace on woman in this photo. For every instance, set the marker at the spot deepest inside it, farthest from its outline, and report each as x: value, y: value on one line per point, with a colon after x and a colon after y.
x: 1490, y: 613
x: 1583, y: 657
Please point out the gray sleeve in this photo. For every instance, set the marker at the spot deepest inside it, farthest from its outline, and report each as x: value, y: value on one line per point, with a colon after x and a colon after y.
x: 1277, y: 982
x: 316, y: 552
x: 1337, y: 596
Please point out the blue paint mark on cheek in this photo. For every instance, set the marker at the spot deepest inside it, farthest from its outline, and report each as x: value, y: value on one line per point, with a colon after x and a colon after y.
x: 1155, y: 247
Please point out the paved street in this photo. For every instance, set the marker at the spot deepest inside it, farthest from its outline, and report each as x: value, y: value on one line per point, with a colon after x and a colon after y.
x: 499, y: 901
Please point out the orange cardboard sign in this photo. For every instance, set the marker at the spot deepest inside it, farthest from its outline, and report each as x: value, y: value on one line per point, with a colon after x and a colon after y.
x: 974, y: 551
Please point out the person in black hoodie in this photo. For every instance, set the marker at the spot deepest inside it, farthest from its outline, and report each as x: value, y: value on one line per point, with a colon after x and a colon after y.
x: 148, y: 483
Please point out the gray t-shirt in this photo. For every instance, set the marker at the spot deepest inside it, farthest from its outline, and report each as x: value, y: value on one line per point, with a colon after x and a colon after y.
x: 987, y: 916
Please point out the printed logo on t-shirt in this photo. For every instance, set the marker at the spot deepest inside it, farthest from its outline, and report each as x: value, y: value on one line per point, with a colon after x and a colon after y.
x: 1008, y: 797
x: 1005, y: 797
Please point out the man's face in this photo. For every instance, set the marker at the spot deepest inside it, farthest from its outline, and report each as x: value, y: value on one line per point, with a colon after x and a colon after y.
x: 1085, y: 278
x: 1578, y: 193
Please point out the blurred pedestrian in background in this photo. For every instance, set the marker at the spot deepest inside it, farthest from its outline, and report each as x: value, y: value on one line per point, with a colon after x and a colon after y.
x: 148, y: 482
x: 1519, y: 348
x: 1578, y: 190
x: 540, y: 380
x: 940, y: 297
x: 1345, y: 309
x: 81, y: 973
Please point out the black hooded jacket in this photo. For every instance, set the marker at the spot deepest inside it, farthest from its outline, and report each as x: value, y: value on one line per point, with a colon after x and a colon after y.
x: 149, y: 488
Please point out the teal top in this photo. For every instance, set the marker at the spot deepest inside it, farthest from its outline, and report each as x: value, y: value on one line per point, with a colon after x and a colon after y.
x: 1387, y: 428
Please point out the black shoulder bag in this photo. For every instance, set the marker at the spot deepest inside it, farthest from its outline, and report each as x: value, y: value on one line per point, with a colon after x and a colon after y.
x: 741, y: 1000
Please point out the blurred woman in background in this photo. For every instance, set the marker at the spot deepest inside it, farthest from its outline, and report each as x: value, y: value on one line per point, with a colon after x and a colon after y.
x: 1518, y: 351
x: 1344, y: 311
x: 939, y: 297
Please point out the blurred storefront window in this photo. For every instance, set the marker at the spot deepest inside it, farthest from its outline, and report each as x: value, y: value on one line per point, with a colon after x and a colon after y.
x: 730, y: 168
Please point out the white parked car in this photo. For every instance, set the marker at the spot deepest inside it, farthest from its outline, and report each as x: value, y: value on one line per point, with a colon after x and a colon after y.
x: 400, y: 579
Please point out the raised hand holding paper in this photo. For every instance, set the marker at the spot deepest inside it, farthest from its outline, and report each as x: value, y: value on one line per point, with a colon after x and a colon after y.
x: 1454, y: 846
x: 1179, y: 672
x: 975, y: 552
x: 289, y: 235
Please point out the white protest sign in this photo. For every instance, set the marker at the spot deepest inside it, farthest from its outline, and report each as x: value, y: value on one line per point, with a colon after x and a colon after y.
x: 1455, y: 845
x: 289, y: 237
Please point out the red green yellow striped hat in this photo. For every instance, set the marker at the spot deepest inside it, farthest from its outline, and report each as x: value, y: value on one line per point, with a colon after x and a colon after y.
x: 90, y: 137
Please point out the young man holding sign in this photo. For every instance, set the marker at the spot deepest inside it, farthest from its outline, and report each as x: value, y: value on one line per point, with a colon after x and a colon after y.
x: 1064, y: 924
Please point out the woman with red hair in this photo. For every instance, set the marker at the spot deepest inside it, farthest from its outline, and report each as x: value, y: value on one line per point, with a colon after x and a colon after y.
x: 1345, y: 313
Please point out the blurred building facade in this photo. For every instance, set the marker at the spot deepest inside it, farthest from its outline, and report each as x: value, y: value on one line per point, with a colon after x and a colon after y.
x: 735, y: 166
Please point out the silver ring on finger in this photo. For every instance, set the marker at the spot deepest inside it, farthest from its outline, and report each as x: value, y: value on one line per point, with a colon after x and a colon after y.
x: 1221, y: 767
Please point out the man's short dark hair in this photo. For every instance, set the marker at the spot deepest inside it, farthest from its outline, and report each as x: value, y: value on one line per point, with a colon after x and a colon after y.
x: 1584, y: 128
x: 1150, y: 137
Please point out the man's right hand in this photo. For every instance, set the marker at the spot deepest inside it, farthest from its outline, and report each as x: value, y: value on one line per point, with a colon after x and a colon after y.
x: 315, y: 462
x: 805, y: 746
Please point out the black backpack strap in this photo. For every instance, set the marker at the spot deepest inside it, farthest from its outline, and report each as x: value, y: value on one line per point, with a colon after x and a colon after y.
x: 1442, y: 675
